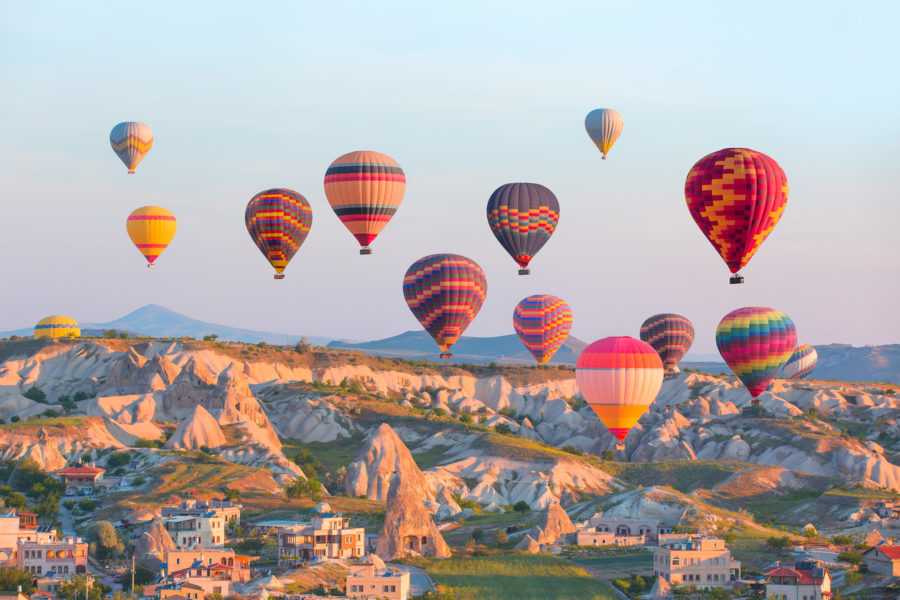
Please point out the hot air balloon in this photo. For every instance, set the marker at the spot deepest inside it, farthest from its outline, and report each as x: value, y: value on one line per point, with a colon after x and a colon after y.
x: 151, y: 228
x: 604, y: 126
x: 445, y: 292
x: 670, y: 335
x: 801, y: 362
x: 736, y: 197
x: 131, y: 141
x: 57, y: 326
x: 522, y: 217
x: 278, y: 220
x: 543, y: 323
x: 365, y: 190
x: 619, y: 378
x: 756, y: 342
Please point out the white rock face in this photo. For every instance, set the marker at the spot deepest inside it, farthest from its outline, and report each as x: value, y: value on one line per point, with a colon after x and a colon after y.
x: 198, y: 430
x: 383, y: 455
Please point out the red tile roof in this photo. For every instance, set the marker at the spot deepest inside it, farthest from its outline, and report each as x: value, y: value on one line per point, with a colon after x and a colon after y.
x: 892, y: 552
x: 81, y: 470
x: 784, y: 572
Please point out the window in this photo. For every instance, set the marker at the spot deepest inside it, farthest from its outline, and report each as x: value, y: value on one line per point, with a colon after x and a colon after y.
x: 675, y: 561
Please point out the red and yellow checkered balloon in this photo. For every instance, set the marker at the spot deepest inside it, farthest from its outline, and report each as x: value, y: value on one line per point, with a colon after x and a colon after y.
x: 736, y: 197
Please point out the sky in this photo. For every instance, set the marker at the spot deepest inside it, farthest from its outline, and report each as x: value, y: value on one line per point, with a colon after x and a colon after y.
x: 465, y: 96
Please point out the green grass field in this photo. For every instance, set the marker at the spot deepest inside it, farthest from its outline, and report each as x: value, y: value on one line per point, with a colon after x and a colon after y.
x: 514, y: 577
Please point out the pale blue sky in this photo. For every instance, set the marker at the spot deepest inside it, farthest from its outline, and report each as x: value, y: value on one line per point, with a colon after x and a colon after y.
x: 466, y: 96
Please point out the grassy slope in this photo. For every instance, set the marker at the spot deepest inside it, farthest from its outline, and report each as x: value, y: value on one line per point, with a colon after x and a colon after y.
x: 514, y: 577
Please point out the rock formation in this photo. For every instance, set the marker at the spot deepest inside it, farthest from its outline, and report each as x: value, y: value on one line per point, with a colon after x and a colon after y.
x: 150, y: 549
x: 200, y: 429
x: 552, y: 527
x: 408, y: 529
x: 383, y: 455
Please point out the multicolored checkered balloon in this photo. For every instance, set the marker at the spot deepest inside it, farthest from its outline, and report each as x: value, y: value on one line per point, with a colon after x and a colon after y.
x: 543, y: 323
x: 522, y: 217
x: 756, y: 342
x: 278, y: 220
x: 670, y: 335
x: 736, y: 197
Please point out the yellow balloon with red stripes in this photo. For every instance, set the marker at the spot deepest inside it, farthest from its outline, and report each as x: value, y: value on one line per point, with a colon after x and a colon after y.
x: 151, y: 229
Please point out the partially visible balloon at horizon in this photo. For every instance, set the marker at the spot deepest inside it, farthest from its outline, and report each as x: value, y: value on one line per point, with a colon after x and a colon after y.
x: 736, y: 196
x: 131, y: 141
x: 57, y: 326
x: 543, y: 323
x: 444, y: 292
x: 802, y: 362
x: 619, y: 378
x: 670, y: 335
x: 756, y: 342
x: 604, y: 126
x: 278, y: 220
x: 522, y: 217
x: 151, y: 229
x: 365, y: 189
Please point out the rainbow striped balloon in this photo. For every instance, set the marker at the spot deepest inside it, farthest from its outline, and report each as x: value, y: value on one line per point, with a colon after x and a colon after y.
x: 445, y: 292
x: 756, y: 342
x: 151, y: 229
x: 619, y: 378
x: 604, y: 126
x: 522, y: 217
x: 131, y: 141
x: 543, y: 323
x: 670, y: 335
x: 365, y: 190
x: 278, y: 220
x: 802, y: 362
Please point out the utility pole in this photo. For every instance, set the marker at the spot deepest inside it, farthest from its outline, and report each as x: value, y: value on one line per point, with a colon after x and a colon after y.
x: 132, y: 574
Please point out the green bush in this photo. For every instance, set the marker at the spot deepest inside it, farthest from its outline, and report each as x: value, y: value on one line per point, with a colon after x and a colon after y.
x: 36, y: 394
x: 608, y: 455
x: 521, y: 507
x: 853, y: 557
x: 503, y: 429
x: 118, y: 459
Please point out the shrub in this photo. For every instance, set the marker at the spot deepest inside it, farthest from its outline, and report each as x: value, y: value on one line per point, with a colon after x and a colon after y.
x: 572, y: 450
x: 465, y: 418
x: 88, y: 505
x: 14, y: 418
x: 36, y: 394
x: 145, y: 443
x: 853, y: 557
x: 778, y: 542
x: 521, y: 506
x: 110, y: 334
x: 609, y: 455
x: 500, y: 537
x: 50, y: 413
x: 211, y: 337
x: 81, y: 396
x: 118, y: 459
x: 138, y: 481
x: 502, y: 429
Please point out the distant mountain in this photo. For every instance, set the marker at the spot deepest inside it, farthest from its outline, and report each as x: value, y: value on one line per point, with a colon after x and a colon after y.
x: 850, y: 363
x: 500, y: 349
x: 158, y: 321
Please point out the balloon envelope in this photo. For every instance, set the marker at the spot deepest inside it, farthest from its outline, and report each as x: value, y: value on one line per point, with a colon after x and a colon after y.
x: 131, y: 141
x: 444, y: 292
x: 522, y: 217
x: 619, y: 378
x: 736, y: 196
x: 57, y: 326
x: 543, y: 323
x: 756, y: 342
x: 670, y: 335
x: 604, y: 126
x: 802, y: 362
x: 278, y: 221
x: 151, y: 229
x: 365, y: 190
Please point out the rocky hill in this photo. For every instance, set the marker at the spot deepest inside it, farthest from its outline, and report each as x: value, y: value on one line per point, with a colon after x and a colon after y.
x: 493, y: 435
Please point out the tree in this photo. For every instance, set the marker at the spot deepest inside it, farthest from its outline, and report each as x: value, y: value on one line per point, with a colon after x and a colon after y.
x: 110, y: 334
x: 502, y: 429
x: 500, y: 537
x: 142, y: 576
x: 522, y: 507
x: 73, y: 589
x: 27, y: 473
x: 300, y: 488
x: 303, y: 346
x: 108, y: 542
x: 11, y: 578
x: 231, y: 494
x: 609, y: 455
x: 118, y: 459
x: 67, y: 404
x: 48, y: 507
x: 853, y: 557
x: 477, y: 535
x: 86, y: 458
x: 308, y: 463
x: 778, y: 543
x: 211, y: 337
x: 465, y: 418
x: 36, y: 394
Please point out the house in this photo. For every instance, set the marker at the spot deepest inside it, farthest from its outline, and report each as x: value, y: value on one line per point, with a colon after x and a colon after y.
x: 372, y: 580
x: 883, y: 559
x: 176, y: 560
x: 888, y: 509
x: 807, y: 580
x: 17, y: 526
x: 50, y: 584
x: 39, y: 595
x: 225, y: 509
x: 63, y: 557
x: 208, y: 579
x: 329, y: 535
x: 275, y: 526
x: 17, y: 595
x: 628, y: 527
x: 81, y: 480
x: 703, y: 562
x: 184, y: 591
x: 206, y: 530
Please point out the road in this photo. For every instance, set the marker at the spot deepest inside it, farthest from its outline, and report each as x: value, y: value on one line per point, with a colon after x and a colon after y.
x: 66, y: 521
x: 419, y: 581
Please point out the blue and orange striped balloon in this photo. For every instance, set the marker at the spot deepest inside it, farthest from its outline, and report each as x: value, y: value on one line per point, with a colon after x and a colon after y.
x: 802, y: 362
x: 543, y: 323
x: 364, y: 189
x: 444, y: 292
x: 756, y: 342
x: 278, y: 220
x: 522, y: 217
x: 131, y: 141
x: 670, y: 335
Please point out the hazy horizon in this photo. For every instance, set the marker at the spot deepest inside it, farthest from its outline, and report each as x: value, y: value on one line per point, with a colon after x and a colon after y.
x: 465, y: 98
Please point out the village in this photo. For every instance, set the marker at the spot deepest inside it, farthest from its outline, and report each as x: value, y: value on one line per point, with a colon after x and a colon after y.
x: 202, y: 549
